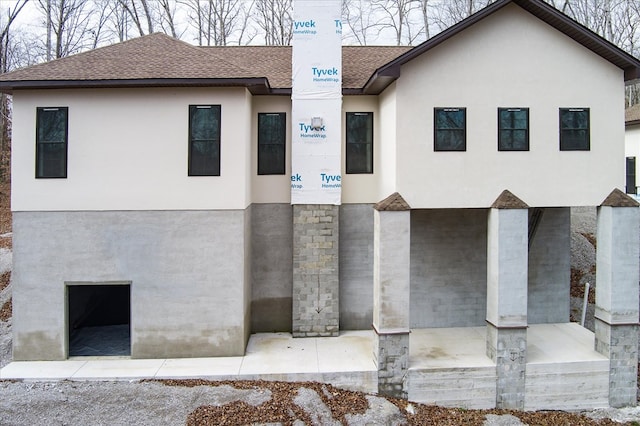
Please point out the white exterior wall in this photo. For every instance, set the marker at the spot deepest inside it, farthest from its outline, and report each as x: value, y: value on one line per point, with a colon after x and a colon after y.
x: 386, y: 161
x: 128, y: 150
x: 270, y: 188
x: 632, y: 147
x: 361, y: 188
x: 510, y: 59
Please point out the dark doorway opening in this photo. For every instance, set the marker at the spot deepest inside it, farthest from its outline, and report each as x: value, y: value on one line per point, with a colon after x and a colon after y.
x: 99, y: 318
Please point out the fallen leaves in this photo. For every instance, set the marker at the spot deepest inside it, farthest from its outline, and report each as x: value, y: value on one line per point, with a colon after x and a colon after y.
x: 282, y: 409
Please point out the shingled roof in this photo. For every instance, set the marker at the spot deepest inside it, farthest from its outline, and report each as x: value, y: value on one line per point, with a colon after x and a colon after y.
x: 160, y: 60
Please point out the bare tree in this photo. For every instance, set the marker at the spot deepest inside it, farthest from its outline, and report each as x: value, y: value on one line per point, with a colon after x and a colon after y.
x: 7, y: 18
x: 139, y: 12
x: 219, y: 22
x: 168, y: 15
x: 68, y: 22
x: 274, y: 18
x: 395, y: 15
x: 357, y: 17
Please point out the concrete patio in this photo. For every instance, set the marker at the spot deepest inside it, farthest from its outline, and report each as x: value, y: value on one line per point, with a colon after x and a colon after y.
x: 448, y: 366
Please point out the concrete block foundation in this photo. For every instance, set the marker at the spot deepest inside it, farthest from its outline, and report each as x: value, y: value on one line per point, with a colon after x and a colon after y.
x: 507, y: 347
x: 620, y: 344
x: 316, y: 292
x: 391, y: 355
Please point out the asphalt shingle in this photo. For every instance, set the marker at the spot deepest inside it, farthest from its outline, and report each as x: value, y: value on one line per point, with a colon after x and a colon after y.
x: 161, y: 57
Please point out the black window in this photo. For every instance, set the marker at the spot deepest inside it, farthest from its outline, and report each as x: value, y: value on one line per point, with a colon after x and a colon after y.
x: 204, y: 140
x: 450, y: 129
x: 359, y: 156
x: 574, y: 129
x: 51, y: 142
x: 272, y: 136
x: 513, y: 129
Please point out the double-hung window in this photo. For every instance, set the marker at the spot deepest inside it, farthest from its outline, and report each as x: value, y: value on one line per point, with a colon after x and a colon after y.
x: 272, y: 136
x: 359, y: 141
x: 450, y: 130
x: 513, y: 129
x: 574, y: 129
x: 51, y: 142
x: 204, y: 140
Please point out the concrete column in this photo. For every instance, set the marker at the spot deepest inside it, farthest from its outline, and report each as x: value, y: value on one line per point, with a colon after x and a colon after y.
x: 616, y: 316
x: 391, y: 293
x: 315, y: 304
x: 507, y: 266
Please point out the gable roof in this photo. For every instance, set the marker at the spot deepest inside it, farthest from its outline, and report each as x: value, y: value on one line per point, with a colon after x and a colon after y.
x: 384, y: 75
x: 159, y: 60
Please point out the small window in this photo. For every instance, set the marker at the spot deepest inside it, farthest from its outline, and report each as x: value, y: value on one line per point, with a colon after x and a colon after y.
x: 51, y: 142
x: 574, y: 129
x: 204, y: 140
x: 450, y: 129
x: 359, y: 155
x: 272, y: 134
x: 513, y: 129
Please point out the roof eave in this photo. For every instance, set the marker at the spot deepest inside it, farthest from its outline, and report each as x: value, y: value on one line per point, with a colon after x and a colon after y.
x: 632, y: 123
x: 381, y: 79
x: 257, y: 86
x: 632, y: 73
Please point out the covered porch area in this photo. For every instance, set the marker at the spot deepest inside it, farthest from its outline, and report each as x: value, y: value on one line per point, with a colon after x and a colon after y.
x: 471, y: 307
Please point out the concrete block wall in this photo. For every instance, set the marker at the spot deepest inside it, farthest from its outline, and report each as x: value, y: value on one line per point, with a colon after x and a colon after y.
x: 315, y: 270
x: 271, y: 267
x: 448, y: 268
x: 356, y: 266
x: 391, y: 355
x: 508, y: 349
x: 187, y: 271
x: 620, y: 344
x: 550, y: 268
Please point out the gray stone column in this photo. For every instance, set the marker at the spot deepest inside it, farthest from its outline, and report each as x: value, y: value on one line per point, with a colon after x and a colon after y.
x: 315, y: 304
x: 616, y: 316
x: 391, y: 293
x: 507, y: 270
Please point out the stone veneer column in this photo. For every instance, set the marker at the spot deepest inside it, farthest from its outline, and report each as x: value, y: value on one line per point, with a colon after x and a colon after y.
x: 391, y: 293
x: 507, y: 266
x: 316, y: 310
x: 616, y: 316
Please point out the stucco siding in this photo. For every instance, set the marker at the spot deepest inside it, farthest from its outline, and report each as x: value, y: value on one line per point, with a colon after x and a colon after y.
x: 509, y: 59
x: 270, y: 188
x: 386, y: 160
x: 128, y: 150
x: 362, y: 188
x: 632, y: 147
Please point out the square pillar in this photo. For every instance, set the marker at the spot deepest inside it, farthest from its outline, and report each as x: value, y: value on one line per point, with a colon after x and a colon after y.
x: 507, y: 272
x: 391, y: 293
x: 616, y: 315
x: 315, y: 304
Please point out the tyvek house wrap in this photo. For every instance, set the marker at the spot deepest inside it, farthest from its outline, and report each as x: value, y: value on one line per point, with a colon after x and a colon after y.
x: 316, y: 93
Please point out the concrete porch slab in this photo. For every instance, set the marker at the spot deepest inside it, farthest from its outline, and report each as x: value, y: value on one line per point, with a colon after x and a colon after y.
x: 346, y: 361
